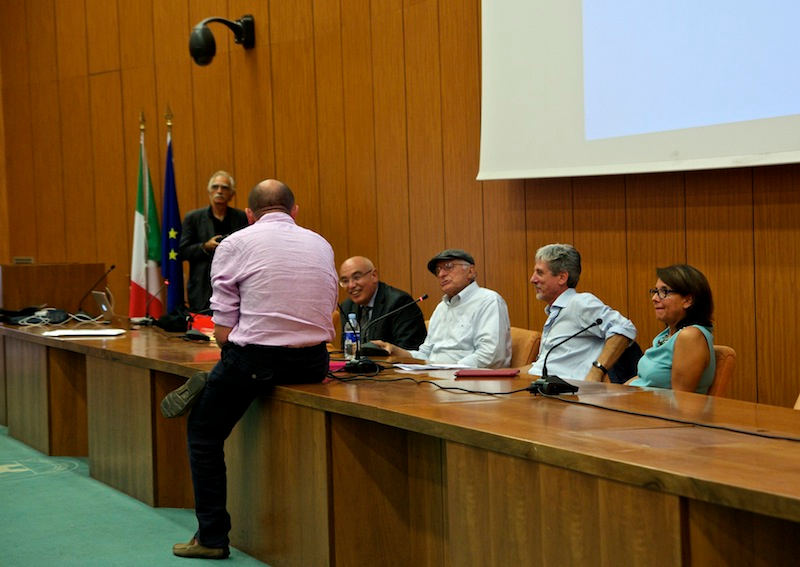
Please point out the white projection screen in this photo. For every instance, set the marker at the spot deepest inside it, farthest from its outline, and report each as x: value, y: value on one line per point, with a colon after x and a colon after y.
x: 593, y: 87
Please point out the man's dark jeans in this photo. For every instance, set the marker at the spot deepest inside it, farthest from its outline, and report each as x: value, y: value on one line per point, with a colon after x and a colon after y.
x: 242, y: 374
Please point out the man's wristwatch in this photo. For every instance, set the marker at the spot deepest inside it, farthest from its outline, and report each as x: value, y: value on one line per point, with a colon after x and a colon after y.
x: 602, y: 368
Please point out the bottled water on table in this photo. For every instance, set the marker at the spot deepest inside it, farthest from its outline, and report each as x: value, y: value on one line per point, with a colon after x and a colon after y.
x: 352, y: 337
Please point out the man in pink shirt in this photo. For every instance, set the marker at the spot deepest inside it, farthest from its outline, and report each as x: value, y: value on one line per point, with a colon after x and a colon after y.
x: 274, y: 288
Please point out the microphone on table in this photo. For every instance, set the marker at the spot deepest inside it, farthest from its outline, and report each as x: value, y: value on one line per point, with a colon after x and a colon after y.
x: 371, y: 322
x: 553, y: 384
x: 91, y: 289
x: 362, y: 364
x: 147, y: 319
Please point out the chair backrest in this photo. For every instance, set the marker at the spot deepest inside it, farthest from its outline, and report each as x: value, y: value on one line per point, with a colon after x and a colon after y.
x: 524, y: 346
x: 726, y: 362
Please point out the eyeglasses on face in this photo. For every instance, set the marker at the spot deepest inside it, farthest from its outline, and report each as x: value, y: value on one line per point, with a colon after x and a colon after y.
x: 661, y: 292
x: 355, y: 278
x: 216, y: 186
x: 448, y: 267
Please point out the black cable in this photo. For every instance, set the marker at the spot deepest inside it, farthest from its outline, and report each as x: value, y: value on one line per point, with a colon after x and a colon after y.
x: 673, y: 419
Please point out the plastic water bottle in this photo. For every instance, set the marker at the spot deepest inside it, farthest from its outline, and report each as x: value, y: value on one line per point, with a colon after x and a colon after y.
x: 352, y: 337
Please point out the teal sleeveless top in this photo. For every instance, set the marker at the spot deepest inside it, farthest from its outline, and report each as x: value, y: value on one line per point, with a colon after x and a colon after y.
x: 655, y: 366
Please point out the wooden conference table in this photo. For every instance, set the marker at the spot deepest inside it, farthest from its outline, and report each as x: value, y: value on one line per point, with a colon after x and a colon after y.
x: 388, y: 472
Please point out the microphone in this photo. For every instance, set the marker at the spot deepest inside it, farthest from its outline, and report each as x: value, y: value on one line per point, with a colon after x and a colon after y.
x: 147, y: 320
x: 423, y: 297
x: 94, y: 285
x: 553, y: 384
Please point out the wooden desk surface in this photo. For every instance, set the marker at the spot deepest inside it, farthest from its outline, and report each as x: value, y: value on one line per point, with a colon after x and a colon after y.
x: 679, y: 443
x: 148, y: 347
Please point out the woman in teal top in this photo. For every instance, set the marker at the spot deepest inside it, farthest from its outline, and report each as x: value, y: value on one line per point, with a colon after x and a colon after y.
x: 682, y: 355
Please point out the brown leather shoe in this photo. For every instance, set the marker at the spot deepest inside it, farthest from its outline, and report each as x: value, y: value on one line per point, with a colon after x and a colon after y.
x: 194, y: 549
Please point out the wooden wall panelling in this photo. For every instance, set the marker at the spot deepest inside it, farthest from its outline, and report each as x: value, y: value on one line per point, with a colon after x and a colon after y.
x: 251, y: 105
x: 174, y: 89
x: 504, y: 268
x: 71, y: 40
x: 21, y: 231
x: 455, y: 30
x: 600, y: 237
x: 21, y: 228
x: 49, y: 203
x: 359, y: 128
x: 114, y: 216
x: 77, y: 171
x: 102, y: 23
x: 76, y: 174
x: 548, y: 220
x: 719, y: 242
x: 295, y: 111
x: 330, y: 128
x: 394, y: 205
x: 5, y: 252
x: 433, y: 215
x: 777, y: 257
x: 213, y: 131
x: 655, y: 217
x: 136, y: 33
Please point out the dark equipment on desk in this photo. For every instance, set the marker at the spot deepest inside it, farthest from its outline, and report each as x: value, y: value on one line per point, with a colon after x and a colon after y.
x: 553, y: 384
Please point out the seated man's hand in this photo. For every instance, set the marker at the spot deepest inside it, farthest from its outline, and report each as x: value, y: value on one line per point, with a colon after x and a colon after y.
x: 392, y: 349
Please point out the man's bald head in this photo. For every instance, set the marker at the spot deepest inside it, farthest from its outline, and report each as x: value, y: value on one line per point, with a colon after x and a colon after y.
x: 271, y: 196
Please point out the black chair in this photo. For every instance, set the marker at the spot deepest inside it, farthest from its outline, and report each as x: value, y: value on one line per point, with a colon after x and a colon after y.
x: 625, y: 368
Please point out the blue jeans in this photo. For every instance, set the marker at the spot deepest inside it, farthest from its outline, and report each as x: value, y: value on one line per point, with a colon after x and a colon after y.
x: 242, y: 374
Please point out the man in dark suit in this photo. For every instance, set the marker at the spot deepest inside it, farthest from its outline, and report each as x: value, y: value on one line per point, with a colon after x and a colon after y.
x: 201, y: 233
x: 370, y: 298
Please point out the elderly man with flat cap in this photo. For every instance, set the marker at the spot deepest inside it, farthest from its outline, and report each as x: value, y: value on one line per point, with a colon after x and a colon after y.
x: 470, y: 326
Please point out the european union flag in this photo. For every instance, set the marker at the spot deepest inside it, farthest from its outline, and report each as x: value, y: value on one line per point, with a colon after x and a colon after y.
x: 171, y: 265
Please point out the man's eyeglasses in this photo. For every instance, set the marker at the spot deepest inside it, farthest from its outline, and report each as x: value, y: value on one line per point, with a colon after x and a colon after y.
x: 355, y: 278
x: 448, y: 267
x: 662, y: 292
x: 220, y: 186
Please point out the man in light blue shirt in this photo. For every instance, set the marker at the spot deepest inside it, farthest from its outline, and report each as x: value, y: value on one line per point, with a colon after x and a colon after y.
x: 470, y: 326
x: 590, y: 354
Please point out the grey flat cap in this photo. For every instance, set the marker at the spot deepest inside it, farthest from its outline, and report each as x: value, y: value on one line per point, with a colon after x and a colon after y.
x: 450, y: 254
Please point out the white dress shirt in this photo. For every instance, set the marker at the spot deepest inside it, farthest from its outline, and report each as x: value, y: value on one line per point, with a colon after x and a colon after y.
x: 472, y: 329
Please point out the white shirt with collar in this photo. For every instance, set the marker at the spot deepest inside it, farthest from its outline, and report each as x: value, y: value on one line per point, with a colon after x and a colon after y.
x: 568, y: 314
x: 472, y: 328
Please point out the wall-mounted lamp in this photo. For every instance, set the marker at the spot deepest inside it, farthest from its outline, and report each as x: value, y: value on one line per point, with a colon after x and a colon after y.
x: 202, y: 46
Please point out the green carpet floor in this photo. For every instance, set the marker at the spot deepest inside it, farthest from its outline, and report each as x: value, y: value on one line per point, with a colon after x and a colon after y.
x: 53, y: 513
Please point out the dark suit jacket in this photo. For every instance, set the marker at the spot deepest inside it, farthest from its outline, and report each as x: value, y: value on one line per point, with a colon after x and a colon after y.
x: 197, y: 228
x: 406, y: 328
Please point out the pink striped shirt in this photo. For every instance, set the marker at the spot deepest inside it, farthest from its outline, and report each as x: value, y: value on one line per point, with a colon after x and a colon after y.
x: 275, y: 284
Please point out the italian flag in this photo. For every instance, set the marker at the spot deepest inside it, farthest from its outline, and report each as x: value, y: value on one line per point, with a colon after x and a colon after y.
x: 145, y: 275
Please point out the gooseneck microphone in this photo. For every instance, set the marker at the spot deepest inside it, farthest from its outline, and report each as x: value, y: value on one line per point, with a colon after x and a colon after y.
x: 94, y: 285
x: 553, y: 384
x: 147, y: 319
x: 371, y: 322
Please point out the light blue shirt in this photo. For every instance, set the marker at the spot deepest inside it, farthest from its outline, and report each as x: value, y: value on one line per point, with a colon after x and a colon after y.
x: 568, y: 314
x: 472, y: 329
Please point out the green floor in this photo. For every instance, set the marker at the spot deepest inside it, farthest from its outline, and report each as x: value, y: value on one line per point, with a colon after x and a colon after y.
x: 53, y: 513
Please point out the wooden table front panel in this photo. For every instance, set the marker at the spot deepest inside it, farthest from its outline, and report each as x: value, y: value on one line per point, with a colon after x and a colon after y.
x: 26, y: 393
x: 68, y: 417
x: 278, y: 487
x: 121, y: 441
x: 503, y: 510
